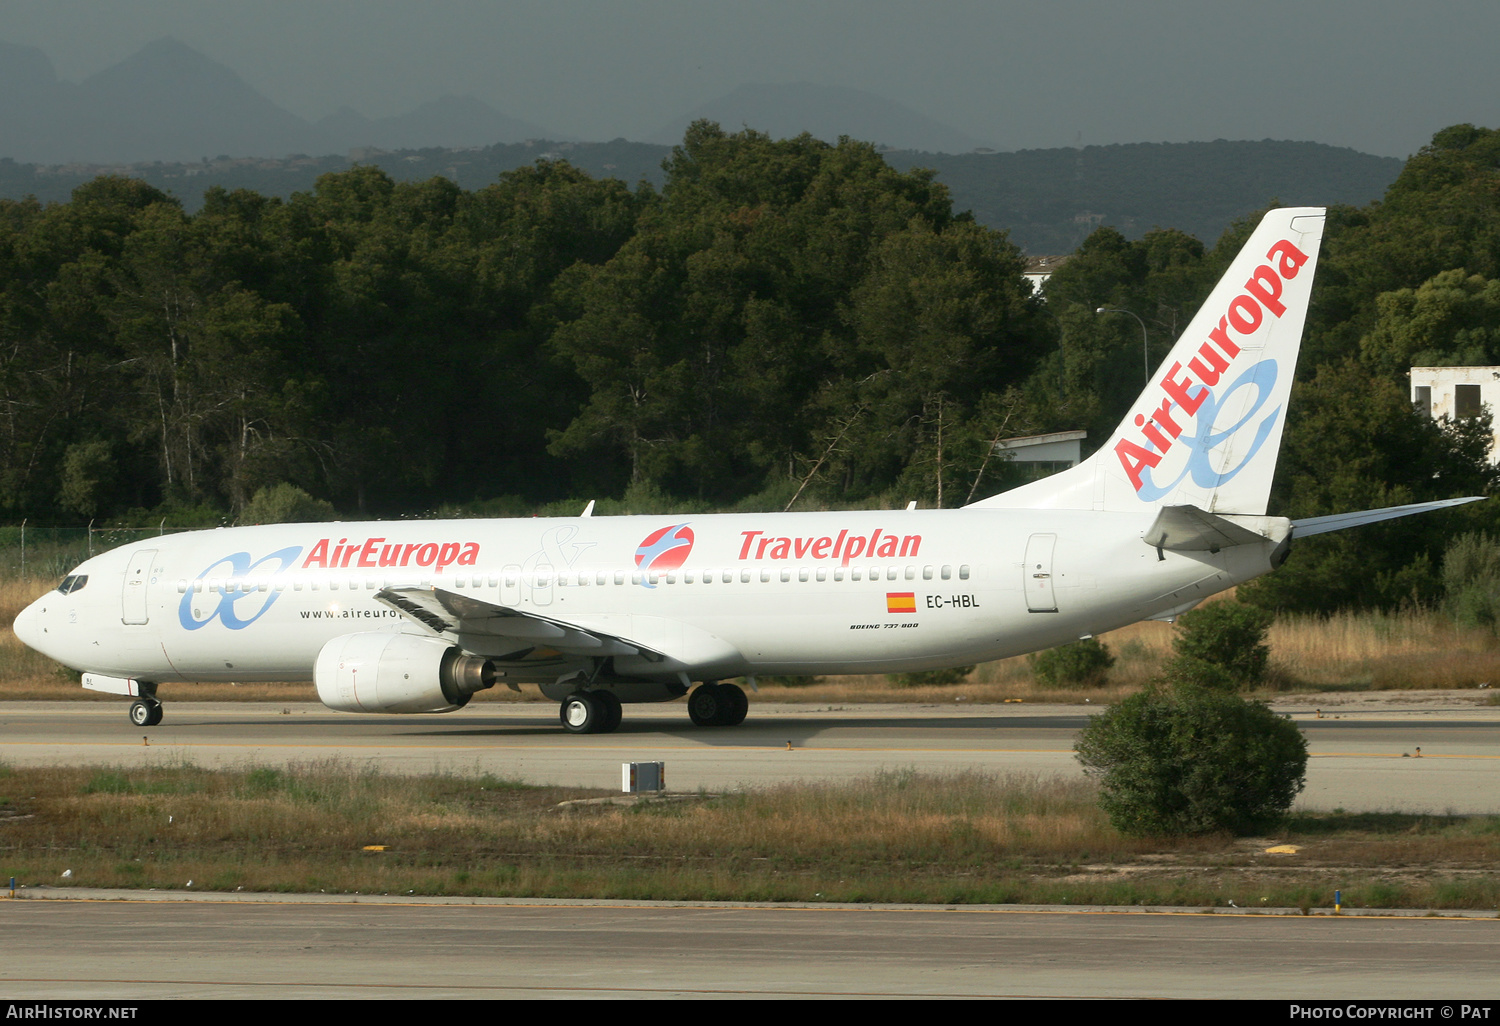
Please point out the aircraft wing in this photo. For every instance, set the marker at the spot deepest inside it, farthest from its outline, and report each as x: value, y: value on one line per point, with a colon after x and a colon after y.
x: 1339, y: 521
x: 451, y: 614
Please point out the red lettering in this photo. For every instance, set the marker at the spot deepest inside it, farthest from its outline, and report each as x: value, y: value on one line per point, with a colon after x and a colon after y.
x: 1153, y: 434
x: 1265, y: 286
x: 1217, y: 365
x: 367, y: 553
x: 1221, y: 336
x: 1163, y: 417
x: 406, y: 555
x: 820, y: 548
x: 426, y: 554
x: 749, y: 537
x: 839, y: 544
x: 447, y: 555
x: 390, y: 555
x: 887, y: 547
x: 1249, y: 315
x: 781, y: 549
x: 470, y: 555
x: 760, y: 550
x: 1135, y: 459
x: 1178, y: 390
x: 1291, y: 261
x: 912, y: 540
x: 319, y: 555
x: 855, y: 547
x: 801, y: 545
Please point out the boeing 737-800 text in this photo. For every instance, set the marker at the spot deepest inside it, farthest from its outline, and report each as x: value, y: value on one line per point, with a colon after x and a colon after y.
x: 406, y: 617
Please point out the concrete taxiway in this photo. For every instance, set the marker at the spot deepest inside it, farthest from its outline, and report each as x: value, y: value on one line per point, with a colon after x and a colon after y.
x: 310, y: 947
x: 1414, y: 755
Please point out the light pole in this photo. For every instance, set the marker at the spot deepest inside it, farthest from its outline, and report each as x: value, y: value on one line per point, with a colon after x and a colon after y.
x: 1145, y: 352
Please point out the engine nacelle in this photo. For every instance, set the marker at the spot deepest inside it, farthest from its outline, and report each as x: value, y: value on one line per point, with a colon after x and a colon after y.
x: 398, y: 673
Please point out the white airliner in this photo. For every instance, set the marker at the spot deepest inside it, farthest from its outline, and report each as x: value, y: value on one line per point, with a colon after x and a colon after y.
x: 417, y: 616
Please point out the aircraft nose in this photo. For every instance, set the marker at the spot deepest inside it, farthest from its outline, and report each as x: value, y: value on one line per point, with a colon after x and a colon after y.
x: 28, y: 625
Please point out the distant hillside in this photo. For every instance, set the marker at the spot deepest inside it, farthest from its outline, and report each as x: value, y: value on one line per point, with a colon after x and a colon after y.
x: 169, y: 102
x: 1049, y: 200
x: 825, y: 112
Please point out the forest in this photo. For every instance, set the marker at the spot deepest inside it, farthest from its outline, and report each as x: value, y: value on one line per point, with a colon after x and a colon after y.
x: 781, y: 322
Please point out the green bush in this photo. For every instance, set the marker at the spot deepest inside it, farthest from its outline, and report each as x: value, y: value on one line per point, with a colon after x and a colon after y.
x: 1083, y: 663
x: 1193, y: 761
x: 931, y: 678
x: 1471, y: 580
x: 286, y: 504
x: 1227, y: 635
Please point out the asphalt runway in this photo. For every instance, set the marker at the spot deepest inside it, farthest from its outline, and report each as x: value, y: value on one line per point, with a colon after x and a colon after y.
x: 1416, y: 755
x: 313, y: 948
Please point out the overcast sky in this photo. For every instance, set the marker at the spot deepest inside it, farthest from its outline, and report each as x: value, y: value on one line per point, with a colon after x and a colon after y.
x: 1377, y: 75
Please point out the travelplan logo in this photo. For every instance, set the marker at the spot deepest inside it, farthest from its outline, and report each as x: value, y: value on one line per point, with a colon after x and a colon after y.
x: 666, y: 549
x: 1186, y: 416
x: 239, y: 603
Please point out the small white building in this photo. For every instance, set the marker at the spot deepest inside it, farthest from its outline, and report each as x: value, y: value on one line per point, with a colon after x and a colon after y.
x: 1458, y: 392
x: 1043, y: 454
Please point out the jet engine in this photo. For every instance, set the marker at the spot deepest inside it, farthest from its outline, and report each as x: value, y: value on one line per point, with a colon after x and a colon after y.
x: 398, y: 673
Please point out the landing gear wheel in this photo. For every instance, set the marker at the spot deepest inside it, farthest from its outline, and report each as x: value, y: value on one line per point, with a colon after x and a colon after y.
x: 610, y: 712
x: 736, y: 705
x: 145, y: 714
x: 581, y: 713
x: 708, y: 705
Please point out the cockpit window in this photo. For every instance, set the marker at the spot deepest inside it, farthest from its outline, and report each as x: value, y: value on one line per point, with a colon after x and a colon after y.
x: 72, y: 583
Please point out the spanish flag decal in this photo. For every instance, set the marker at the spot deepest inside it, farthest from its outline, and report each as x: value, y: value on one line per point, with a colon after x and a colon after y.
x: 900, y: 602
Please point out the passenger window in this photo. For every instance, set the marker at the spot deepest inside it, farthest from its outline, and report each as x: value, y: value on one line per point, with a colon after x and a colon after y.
x: 786, y: 575
x: 744, y: 576
x: 854, y: 573
x: 687, y: 577
x: 182, y: 587
x: 947, y: 572
x: 838, y: 573
x: 619, y: 576
x: 963, y: 572
x: 927, y: 573
x: 765, y: 576
x: 911, y: 573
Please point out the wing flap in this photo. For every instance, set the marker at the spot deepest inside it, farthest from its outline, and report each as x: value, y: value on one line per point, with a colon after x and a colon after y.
x: 448, y: 613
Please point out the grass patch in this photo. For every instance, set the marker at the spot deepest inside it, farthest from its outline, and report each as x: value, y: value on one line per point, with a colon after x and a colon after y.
x: 893, y: 837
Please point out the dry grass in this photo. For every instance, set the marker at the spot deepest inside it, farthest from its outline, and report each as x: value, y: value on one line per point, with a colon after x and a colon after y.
x: 893, y: 837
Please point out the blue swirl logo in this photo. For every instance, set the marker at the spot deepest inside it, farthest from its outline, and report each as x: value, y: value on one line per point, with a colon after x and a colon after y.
x: 237, y: 570
x: 1262, y: 376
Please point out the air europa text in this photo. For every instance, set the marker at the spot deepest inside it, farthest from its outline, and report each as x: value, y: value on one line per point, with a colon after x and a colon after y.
x: 1245, y: 316
x: 376, y: 552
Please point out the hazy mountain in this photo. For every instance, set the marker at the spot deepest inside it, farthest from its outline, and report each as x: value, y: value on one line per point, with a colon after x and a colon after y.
x: 826, y: 112
x: 452, y: 121
x: 169, y: 102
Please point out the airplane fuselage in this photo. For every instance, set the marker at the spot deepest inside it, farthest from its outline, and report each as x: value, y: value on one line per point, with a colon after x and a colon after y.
x: 721, y: 595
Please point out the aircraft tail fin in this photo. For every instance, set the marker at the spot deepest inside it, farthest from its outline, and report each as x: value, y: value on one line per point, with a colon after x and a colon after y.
x: 1207, y: 428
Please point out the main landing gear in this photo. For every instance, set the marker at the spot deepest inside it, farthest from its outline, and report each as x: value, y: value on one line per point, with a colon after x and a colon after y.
x: 145, y: 712
x: 717, y: 705
x: 590, y: 712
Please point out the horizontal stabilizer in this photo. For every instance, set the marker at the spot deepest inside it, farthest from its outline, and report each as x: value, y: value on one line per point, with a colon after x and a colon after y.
x: 1190, y: 529
x: 1340, y: 521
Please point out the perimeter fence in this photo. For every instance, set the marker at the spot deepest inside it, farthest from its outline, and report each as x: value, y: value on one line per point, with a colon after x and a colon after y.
x: 27, y: 550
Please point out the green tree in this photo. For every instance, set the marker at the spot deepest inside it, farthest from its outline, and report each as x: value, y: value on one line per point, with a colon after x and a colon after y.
x: 1228, y: 637
x: 1193, y: 761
